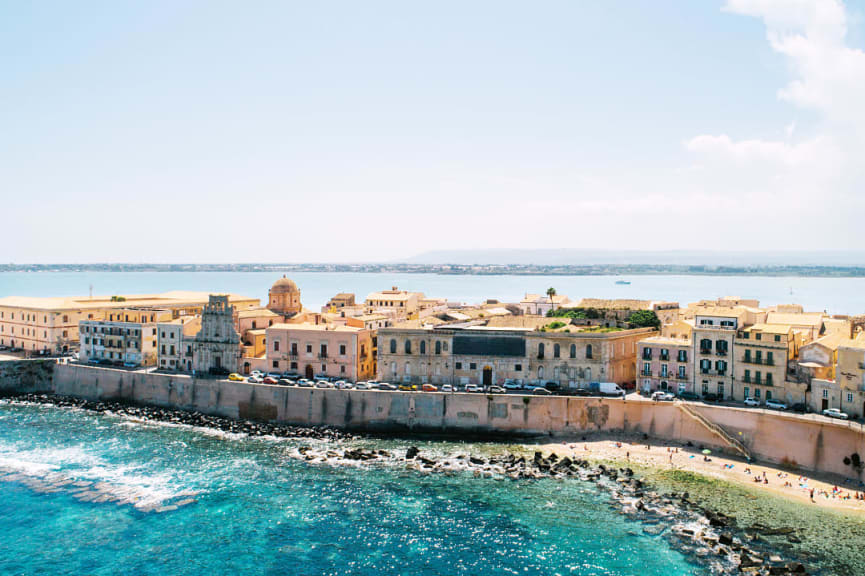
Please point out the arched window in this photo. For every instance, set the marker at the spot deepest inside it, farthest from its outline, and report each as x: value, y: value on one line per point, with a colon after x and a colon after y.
x: 573, y: 350
x: 408, y: 346
x: 423, y: 346
x: 408, y: 368
x: 556, y: 373
x: 588, y: 350
x: 541, y: 350
x: 438, y: 347
x: 540, y: 372
x: 393, y: 368
x: 557, y: 351
x: 393, y: 346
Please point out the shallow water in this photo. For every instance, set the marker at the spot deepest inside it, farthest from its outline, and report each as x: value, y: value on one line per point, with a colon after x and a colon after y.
x: 245, y: 506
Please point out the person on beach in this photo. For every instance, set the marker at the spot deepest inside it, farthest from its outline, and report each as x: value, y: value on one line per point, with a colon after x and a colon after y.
x: 812, y: 494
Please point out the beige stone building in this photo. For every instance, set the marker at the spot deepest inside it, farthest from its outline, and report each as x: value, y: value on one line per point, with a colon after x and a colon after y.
x: 541, y: 304
x: 174, y: 343
x: 850, y: 378
x: 216, y: 347
x: 765, y: 356
x: 284, y: 298
x: 51, y: 324
x: 315, y: 350
x: 404, y: 304
x: 474, y: 353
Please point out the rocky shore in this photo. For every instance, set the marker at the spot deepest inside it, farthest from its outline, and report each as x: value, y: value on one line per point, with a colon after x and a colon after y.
x: 716, y: 538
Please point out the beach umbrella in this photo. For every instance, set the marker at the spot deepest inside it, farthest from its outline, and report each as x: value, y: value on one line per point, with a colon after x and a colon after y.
x: 707, y: 452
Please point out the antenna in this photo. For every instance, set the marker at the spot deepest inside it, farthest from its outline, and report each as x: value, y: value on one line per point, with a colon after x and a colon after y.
x: 91, y: 291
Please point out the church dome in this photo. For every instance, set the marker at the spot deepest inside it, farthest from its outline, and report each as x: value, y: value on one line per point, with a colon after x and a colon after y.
x: 284, y: 286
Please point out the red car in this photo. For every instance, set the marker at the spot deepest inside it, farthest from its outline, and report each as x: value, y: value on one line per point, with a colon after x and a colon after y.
x: 269, y: 380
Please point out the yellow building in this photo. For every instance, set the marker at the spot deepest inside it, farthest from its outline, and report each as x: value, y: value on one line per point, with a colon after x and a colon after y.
x: 128, y: 336
x: 850, y: 377
x: 50, y: 325
x: 764, y: 356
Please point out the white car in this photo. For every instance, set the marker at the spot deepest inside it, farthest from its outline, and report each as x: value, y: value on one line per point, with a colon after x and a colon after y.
x: 361, y: 386
x: 472, y: 388
x: 661, y: 396
x: 775, y: 404
x: 752, y: 402
x: 512, y: 385
x: 343, y: 385
x: 835, y: 413
x: 446, y: 388
x: 254, y: 380
x: 323, y: 384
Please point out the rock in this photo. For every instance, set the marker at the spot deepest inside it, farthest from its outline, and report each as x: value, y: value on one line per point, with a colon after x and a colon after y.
x: 796, y: 568
x: 725, y: 538
x: 476, y: 460
x: 411, y: 453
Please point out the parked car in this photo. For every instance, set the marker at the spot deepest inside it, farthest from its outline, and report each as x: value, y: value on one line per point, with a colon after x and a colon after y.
x: 606, y: 389
x: 323, y: 384
x: 275, y: 375
x: 552, y: 386
x: 257, y: 373
x: 661, y: 396
x: 429, y: 388
x: 361, y: 385
x: 541, y: 391
x: 385, y: 386
x: 775, y: 404
x: 709, y: 397
x: 472, y: 388
x: 254, y: 380
x: 408, y: 387
x: 582, y: 392
x: 304, y: 383
x: 285, y: 382
x: 235, y: 377
x: 512, y: 385
x: 343, y: 385
x: 799, y: 407
x: 835, y: 413
x: 269, y: 380
x: 752, y: 402
x: 447, y: 388
x: 496, y: 390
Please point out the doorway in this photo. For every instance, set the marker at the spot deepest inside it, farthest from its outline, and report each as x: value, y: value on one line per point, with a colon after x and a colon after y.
x: 488, y: 376
x: 310, y: 373
x: 246, y: 367
x: 824, y: 405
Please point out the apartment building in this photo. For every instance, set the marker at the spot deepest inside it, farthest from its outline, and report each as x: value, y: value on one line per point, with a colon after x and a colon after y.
x: 541, y: 304
x: 128, y: 337
x: 174, y: 343
x: 665, y: 364
x: 405, y: 304
x: 473, y: 353
x: 315, y: 350
x: 713, y: 337
x: 849, y: 392
x: 51, y: 325
x: 765, y: 356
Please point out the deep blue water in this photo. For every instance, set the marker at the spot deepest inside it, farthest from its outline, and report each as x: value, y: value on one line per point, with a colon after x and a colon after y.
x: 257, y: 510
x: 835, y: 295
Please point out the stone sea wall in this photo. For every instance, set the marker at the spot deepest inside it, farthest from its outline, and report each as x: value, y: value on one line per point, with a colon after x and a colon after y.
x: 805, y: 442
x: 27, y: 376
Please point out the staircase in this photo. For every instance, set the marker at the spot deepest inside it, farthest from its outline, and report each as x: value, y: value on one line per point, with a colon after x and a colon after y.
x: 714, y: 429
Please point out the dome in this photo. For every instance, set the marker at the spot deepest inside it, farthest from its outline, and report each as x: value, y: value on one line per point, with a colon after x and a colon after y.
x: 284, y: 286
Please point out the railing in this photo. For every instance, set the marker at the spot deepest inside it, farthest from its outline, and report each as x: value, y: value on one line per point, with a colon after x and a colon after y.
x: 758, y: 361
x: 665, y: 358
x: 646, y: 372
x: 705, y: 350
x: 715, y: 429
x: 647, y: 356
x: 721, y: 352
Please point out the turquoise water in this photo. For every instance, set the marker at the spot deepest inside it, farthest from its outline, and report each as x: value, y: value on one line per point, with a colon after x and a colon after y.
x: 835, y: 295
x: 258, y: 510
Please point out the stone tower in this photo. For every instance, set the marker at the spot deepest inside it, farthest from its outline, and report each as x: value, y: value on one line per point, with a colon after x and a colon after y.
x: 216, y: 348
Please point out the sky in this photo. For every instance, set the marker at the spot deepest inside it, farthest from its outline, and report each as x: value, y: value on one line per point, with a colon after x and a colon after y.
x: 261, y: 131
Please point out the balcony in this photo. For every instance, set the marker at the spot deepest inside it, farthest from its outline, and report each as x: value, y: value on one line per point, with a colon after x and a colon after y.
x: 665, y: 357
x: 681, y: 377
x: 721, y: 352
x: 322, y: 356
x: 705, y: 350
x: 647, y: 357
x: 758, y: 361
x: 645, y: 372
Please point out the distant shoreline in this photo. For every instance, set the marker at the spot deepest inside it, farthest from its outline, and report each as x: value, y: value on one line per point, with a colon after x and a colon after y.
x: 464, y: 270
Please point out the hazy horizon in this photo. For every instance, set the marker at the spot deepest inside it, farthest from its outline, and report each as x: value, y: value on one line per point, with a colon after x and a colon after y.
x: 344, y: 132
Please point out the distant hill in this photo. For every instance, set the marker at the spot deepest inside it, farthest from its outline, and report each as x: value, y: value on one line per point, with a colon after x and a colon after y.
x: 621, y: 257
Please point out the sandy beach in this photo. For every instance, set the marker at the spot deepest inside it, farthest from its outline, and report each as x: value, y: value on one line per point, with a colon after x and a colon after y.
x: 828, y: 491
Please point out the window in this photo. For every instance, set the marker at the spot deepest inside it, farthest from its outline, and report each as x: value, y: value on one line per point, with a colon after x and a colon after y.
x: 747, y: 392
x: 438, y: 347
x: 770, y: 360
x: 589, y: 351
x: 322, y: 350
x: 392, y: 346
x: 681, y: 372
x: 323, y: 368
x: 408, y: 346
x: 758, y: 336
x: 540, y: 372
x: 557, y: 351
x: 705, y: 345
x: 768, y: 379
x: 721, y: 389
x: 423, y: 346
x: 849, y: 397
x: 473, y: 366
x: 458, y: 365
x: 573, y: 351
x: 647, y: 369
x: 276, y: 345
x: 293, y: 366
x: 747, y: 377
x: 294, y: 348
x: 768, y: 395
x: 342, y: 369
x: 518, y: 367
x: 342, y: 349
x: 309, y: 348
x: 705, y: 386
x: 747, y: 355
x: 276, y: 364
x: 825, y: 393
x: 541, y: 351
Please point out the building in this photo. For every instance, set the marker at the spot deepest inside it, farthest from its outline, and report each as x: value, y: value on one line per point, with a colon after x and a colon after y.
x: 338, y: 302
x: 405, y: 304
x: 174, y: 343
x: 473, y: 353
x: 316, y: 350
x: 765, y: 355
x: 665, y: 364
x: 284, y: 298
x: 850, y: 378
x: 817, y: 359
x: 127, y: 337
x: 713, y: 337
x: 809, y: 324
x: 216, y: 347
x: 541, y: 304
x: 50, y: 325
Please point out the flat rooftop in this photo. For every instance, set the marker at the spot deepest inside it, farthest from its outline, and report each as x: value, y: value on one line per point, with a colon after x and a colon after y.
x: 165, y: 300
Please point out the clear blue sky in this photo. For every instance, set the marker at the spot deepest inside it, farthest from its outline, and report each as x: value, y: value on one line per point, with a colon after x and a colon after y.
x: 308, y: 131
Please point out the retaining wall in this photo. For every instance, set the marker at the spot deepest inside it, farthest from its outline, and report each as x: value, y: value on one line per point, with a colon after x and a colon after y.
x: 802, y: 441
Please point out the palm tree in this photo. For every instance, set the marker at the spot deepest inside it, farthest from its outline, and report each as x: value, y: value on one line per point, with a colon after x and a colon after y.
x: 551, y: 292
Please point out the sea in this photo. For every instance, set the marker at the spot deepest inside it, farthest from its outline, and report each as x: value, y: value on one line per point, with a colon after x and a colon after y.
x: 832, y: 295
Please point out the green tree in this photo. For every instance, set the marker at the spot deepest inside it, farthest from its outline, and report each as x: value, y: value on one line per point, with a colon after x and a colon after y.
x: 551, y: 292
x: 644, y: 319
